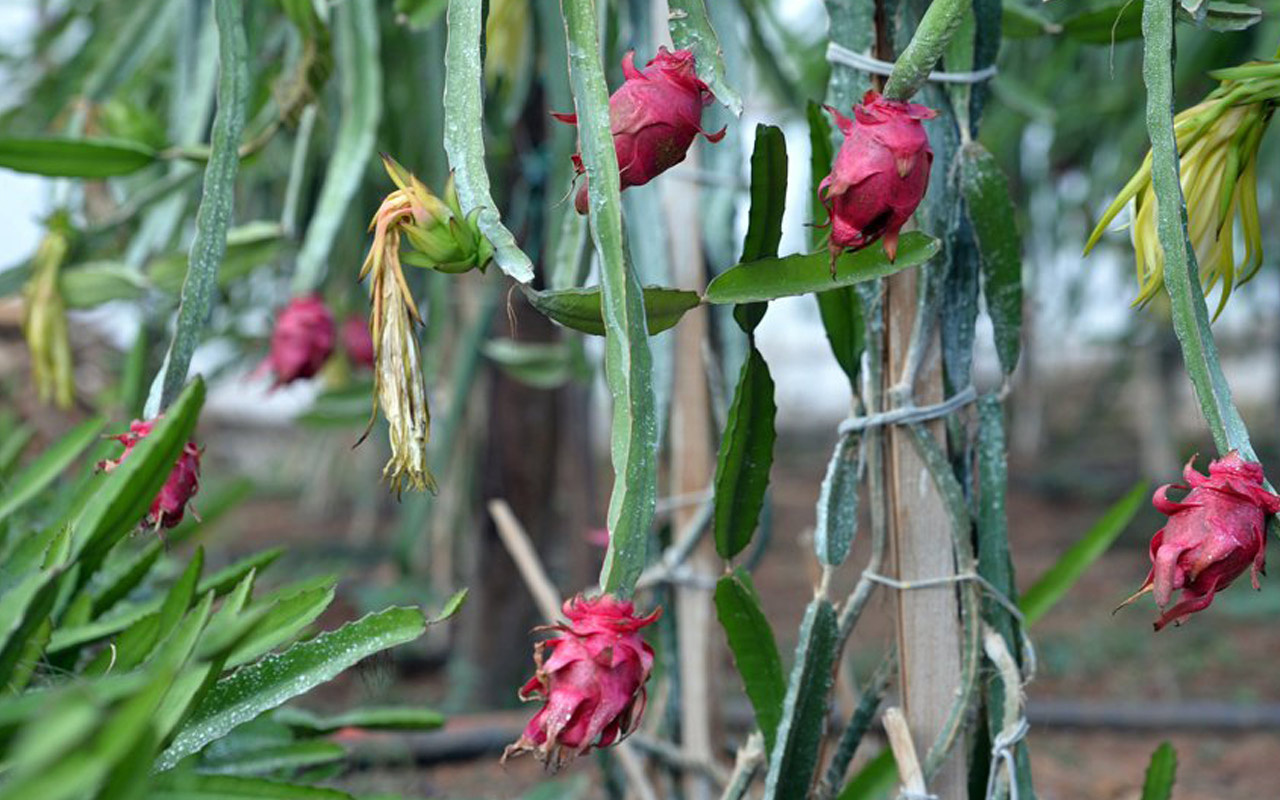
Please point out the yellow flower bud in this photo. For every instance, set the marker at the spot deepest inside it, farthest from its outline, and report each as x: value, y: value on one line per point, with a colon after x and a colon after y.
x: 1218, y: 141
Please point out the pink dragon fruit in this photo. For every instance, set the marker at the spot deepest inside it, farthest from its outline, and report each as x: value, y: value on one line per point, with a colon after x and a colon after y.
x: 880, y: 174
x: 1213, y: 535
x: 170, y: 505
x: 655, y: 116
x: 357, y: 341
x: 591, y: 684
x: 303, y: 339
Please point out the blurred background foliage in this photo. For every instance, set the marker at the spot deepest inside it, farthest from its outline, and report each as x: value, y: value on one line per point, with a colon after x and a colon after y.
x: 516, y: 400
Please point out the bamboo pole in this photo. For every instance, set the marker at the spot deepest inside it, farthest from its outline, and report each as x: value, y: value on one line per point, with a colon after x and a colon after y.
x: 692, y: 464
x: 928, y: 622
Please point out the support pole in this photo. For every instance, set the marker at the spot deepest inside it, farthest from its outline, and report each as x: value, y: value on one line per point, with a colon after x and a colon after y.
x: 928, y: 619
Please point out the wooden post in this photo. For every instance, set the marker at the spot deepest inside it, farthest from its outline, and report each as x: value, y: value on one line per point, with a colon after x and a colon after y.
x: 928, y: 620
x: 692, y: 465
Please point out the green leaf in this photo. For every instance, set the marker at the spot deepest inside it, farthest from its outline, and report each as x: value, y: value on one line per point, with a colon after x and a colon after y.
x: 580, y: 309
x: 219, y: 583
x: 821, y: 155
x: 995, y: 564
x: 874, y: 781
x: 746, y: 455
x: 263, y: 685
x: 1054, y: 583
x: 995, y: 227
x: 60, y: 157
x: 262, y: 760
x: 139, y: 639
x: 1161, y: 773
x: 451, y: 606
x: 793, y: 760
x: 691, y: 30
x: 837, y: 515
x: 120, y: 499
x: 1021, y: 21
x: 119, y: 582
x: 860, y: 721
x: 768, y: 203
x: 1225, y: 17
x: 397, y: 718
x: 755, y: 652
x: 25, y: 611
x: 213, y: 217
x: 627, y: 360
x: 48, y: 466
x: 249, y: 246
x: 97, y: 282
x: 542, y: 365
x: 193, y: 786
x: 1181, y: 272
x: 464, y: 136
x: 226, y: 578
x: 286, y: 618
x: 1118, y: 21
x: 771, y: 278
x: 15, y: 441
x: 841, y: 313
x: 360, y: 91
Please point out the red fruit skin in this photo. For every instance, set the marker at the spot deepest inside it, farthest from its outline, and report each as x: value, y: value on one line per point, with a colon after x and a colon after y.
x: 591, y: 678
x: 170, y: 505
x: 1213, y: 535
x: 357, y: 341
x: 880, y: 174
x: 303, y: 339
x: 655, y: 115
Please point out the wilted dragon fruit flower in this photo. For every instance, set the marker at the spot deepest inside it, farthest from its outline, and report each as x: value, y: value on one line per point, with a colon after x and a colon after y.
x: 440, y: 238
x: 44, y: 318
x: 1218, y: 141
x: 880, y: 174
x: 591, y: 682
x: 169, y: 506
x: 1213, y: 535
x: 301, y: 342
x: 655, y: 116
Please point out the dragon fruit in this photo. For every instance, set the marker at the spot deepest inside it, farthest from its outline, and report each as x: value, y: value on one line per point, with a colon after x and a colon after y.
x: 302, y: 341
x: 1214, y: 534
x: 655, y: 116
x: 357, y: 342
x: 591, y: 678
x: 170, y: 505
x: 880, y: 174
